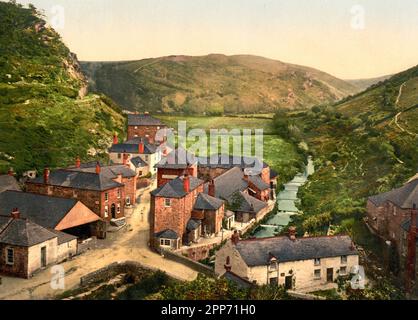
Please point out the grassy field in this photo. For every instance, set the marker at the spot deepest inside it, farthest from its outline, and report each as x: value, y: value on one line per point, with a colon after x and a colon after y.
x: 278, y: 153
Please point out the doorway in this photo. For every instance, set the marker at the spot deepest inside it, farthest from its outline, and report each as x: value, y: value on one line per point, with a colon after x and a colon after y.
x: 330, y: 275
x: 288, y: 282
x: 113, y: 211
x: 43, y: 257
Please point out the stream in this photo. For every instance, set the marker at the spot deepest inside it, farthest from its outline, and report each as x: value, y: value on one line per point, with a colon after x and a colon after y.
x: 286, y: 200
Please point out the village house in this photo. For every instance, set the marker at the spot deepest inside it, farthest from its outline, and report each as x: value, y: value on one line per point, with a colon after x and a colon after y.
x: 101, y: 194
x: 145, y: 126
x: 137, y: 153
x: 26, y: 247
x: 171, y: 212
x: 175, y: 164
x: 387, y: 211
x: 119, y: 173
x: 301, y: 264
x: 67, y: 215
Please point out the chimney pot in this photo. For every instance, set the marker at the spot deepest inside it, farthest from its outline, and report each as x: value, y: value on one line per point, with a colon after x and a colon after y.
x: 292, y: 233
x: 78, y: 162
x: 46, y: 175
x: 211, y: 189
x: 15, y: 213
x: 186, y: 183
x: 235, y: 237
x: 115, y: 139
x: 141, y: 147
x: 98, y: 169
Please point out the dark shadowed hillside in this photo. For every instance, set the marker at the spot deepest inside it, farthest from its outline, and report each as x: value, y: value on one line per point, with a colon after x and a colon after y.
x: 214, y: 84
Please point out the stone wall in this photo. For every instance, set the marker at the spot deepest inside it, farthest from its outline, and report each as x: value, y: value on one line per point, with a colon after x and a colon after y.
x: 20, y: 266
x: 199, y: 267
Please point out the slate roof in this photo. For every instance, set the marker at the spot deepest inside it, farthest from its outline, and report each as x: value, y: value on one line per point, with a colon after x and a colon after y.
x: 24, y: 233
x: 167, y: 234
x: 8, y: 182
x: 404, y: 197
x: 206, y: 202
x: 257, y: 252
x: 240, y: 282
x: 132, y: 146
x: 62, y: 236
x: 143, y: 120
x: 175, y: 188
x: 138, y: 162
x: 407, y: 224
x: 230, y: 182
x: 177, y: 159
x: 43, y: 210
x: 193, y: 224
x: 258, y: 182
x: 79, y: 180
x: 110, y: 172
x: 243, y: 202
x: 227, y: 162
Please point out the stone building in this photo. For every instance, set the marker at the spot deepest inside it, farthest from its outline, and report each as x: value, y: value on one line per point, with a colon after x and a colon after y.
x: 144, y: 125
x: 67, y: 215
x: 302, y: 264
x: 171, y: 212
x: 26, y: 247
x: 134, y: 153
x: 102, y: 195
x: 387, y: 211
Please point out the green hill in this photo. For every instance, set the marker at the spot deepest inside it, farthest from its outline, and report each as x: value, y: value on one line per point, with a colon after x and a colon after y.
x: 46, y: 118
x: 363, y: 145
x: 214, y: 84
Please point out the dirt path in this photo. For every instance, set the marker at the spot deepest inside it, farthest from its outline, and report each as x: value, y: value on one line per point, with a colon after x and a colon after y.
x: 131, y: 244
x: 400, y: 113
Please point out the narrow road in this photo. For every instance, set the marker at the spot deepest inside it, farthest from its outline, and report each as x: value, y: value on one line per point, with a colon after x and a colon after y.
x: 400, y: 113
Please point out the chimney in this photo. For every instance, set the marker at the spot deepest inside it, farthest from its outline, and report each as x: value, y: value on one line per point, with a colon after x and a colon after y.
x: 292, y: 233
x: 115, y: 139
x: 141, y: 147
x: 411, y: 257
x: 186, y: 183
x: 15, y: 213
x: 227, y: 265
x: 78, y: 162
x: 235, y: 237
x: 125, y: 159
x: 211, y: 188
x: 98, y: 169
x: 10, y: 172
x: 46, y: 176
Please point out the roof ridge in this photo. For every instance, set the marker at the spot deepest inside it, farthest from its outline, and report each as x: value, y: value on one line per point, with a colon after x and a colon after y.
x: 297, y: 238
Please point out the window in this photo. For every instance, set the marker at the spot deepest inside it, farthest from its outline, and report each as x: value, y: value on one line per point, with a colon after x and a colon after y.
x: 10, y: 257
x: 119, y: 193
x: 343, y: 271
x: 128, y: 201
x: 136, y: 127
x: 106, y: 211
x: 118, y: 208
x: 146, y: 158
x: 274, y: 281
x: 167, y: 202
x: 165, y: 242
x: 343, y: 259
x: 317, y: 262
x: 119, y: 156
x: 106, y: 197
x: 273, y: 265
x: 317, y: 274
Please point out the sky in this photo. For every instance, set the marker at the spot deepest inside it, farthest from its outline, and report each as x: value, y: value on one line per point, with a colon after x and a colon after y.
x: 346, y: 38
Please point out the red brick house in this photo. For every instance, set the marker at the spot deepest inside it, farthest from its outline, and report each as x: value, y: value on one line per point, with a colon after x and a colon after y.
x: 171, y: 212
x: 387, y: 211
x: 103, y: 195
x: 144, y: 125
x: 175, y: 164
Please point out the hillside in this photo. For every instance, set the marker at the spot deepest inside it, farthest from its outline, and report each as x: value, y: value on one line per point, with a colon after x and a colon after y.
x: 46, y: 118
x: 363, y: 84
x: 214, y: 84
x: 364, y: 145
